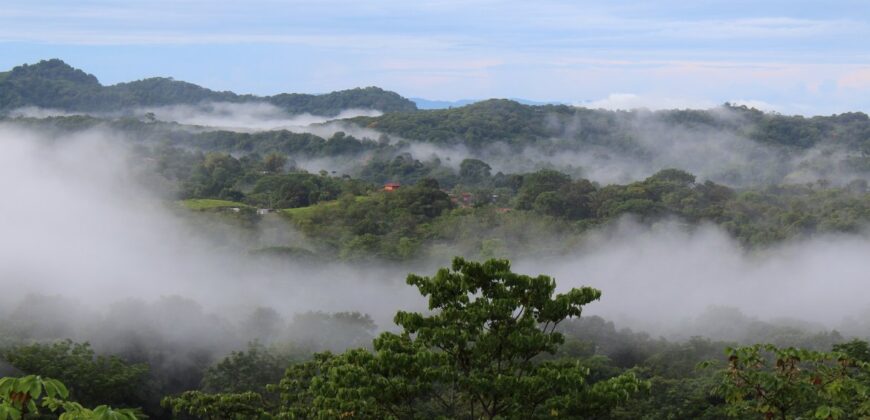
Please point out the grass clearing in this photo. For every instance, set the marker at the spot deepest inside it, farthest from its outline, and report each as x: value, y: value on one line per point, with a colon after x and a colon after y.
x: 209, y: 204
x: 306, y: 212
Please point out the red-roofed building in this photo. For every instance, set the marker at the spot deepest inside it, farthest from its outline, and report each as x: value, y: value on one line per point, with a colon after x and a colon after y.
x: 392, y: 186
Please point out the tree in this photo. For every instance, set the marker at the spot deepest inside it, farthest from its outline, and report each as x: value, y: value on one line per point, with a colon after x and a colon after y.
x: 293, y: 190
x: 536, y: 183
x: 244, y: 371
x: 274, y: 163
x: 215, y: 176
x: 422, y: 199
x: 570, y: 201
x: 474, y: 171
x: 475, y: 356
x: 856, y: 349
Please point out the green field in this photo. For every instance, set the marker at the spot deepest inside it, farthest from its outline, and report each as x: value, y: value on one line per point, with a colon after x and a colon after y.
x: 305, y: 212
x: 209, y: 204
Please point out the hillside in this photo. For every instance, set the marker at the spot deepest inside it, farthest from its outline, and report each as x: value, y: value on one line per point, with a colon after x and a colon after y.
x: 506, y: 121
x: 57, y: 85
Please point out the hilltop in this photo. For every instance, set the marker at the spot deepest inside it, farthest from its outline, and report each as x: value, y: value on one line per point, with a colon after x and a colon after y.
x: 57, y: 85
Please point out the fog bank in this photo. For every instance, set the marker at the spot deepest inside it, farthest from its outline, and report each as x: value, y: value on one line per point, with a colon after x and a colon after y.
x: 661, y: 279
x: 77, y: 222
x: 247, y: 116
x: 228, y: 116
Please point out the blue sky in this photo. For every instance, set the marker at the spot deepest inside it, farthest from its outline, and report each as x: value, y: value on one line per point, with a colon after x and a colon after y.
x: 808, y: 57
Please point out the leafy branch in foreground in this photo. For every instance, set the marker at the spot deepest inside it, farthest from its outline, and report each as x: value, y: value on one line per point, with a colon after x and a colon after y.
x: 23, y: 397
x: 790, y: 383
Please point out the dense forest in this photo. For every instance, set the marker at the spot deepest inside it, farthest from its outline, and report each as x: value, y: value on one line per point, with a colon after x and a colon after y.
x: 408, y: 190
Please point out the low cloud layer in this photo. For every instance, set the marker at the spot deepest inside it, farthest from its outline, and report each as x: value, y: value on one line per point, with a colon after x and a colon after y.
x: 661, y: 279
x: 631, y: 101
x: 229, y: 116
x: 248, y: 116
x: 77, y: 222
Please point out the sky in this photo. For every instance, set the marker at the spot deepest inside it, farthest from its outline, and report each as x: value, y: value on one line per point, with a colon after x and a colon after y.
x: 794, y: 56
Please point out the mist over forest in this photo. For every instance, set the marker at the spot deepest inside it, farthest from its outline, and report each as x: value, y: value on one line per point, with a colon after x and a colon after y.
x: 162, y: 244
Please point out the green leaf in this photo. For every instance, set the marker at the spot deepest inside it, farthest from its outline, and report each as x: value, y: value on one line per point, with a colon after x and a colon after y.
x: 823, y: 412
x: 7, y: 412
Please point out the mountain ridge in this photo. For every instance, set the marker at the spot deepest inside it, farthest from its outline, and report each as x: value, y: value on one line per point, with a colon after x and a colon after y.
x: 429, y: 104
x: 55, y: 84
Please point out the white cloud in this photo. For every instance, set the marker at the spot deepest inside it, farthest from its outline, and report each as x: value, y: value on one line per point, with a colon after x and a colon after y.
x: 629, y: 101
x: 252, y: 116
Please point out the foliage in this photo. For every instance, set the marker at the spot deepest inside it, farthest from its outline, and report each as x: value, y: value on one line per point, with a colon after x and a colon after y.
x: 294, y: 190
x: 23, y: 397
x: 220, y: 180
x: 790, y: 383
x: 858, y: 350
x: 244, y: 371
x: 474, y: 171
x: 389, y: 225
x: 241, y: 406
x: 91, y: 379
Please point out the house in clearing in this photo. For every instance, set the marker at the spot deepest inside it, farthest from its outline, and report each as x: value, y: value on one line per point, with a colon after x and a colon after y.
x: 391, y: 186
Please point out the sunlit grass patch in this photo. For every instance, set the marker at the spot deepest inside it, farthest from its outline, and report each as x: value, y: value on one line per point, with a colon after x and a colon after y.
x: 209, y: 204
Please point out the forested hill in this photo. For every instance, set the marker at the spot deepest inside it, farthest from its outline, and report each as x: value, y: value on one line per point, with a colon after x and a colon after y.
x: 506, y: 121
x: 57, y: 85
